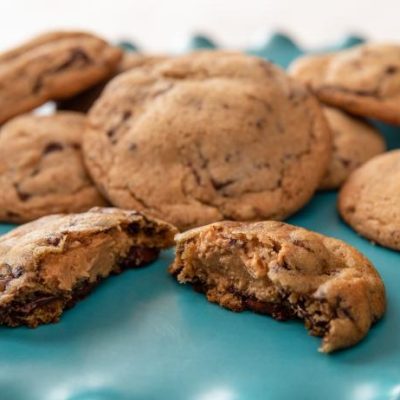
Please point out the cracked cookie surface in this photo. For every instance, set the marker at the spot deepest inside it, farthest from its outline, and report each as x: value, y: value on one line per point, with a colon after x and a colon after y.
x: 287, y: 272
x: 41, y: 167
x: 369, y: 201
x: 52, y: 66
x: 206, y: 137
x: 355, y: 141
x: 84, y: 100
x: 363, y: 80
x: 49, y: 264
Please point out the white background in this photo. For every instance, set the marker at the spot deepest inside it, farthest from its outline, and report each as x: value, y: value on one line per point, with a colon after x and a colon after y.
x: 163, y: 25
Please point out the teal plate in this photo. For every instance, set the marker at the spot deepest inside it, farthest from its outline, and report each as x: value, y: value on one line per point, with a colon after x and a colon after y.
x: 142, y: 336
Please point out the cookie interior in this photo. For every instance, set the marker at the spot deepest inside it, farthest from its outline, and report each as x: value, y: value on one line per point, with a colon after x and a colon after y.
x: 292, y: 278
x: 71, y: 265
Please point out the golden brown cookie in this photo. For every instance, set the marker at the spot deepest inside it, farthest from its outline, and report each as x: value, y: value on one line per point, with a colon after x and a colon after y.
x: 206, y: 137
x: 48, y: 265
x: 286, y: 272
x: 355, y: 141
x: 369, y: 201
x: 84, y: 100
x: 53, y: 66
x: 41, y: 167
x: 363, y: 80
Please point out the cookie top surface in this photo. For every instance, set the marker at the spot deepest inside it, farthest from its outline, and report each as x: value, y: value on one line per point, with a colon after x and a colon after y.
x: 303, y: 264
x: 370, y: 200
x: 355, y: 141
x: 32, y: 254
x: 52, y: 66
x: 364, y: 80
x: 41, y: 167
x: 205, y: 137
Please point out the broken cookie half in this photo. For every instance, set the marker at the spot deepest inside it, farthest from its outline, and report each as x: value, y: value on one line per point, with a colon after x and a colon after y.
x: 48, y: 265
x: 287, y: 272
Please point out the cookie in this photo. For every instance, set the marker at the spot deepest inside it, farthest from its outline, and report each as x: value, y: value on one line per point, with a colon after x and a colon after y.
x: 205, y: 137
x: 53, y: 66
x: 48, y: 265
x: 369, y: 201
x: 355, y: 141
x: 84, y: 100
x: 41, y: 167
x: 363, y: 80
x: 287, y: 272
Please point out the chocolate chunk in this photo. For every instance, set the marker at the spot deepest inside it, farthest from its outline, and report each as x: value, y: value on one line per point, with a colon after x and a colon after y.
x: 276, y: 246
x: 17, y: 271
x: 77, y: 58
x: 149, y: 230
x: 303, y: 245
x: 219, y: 185
x: 53, y: 146
x: 12, y: 215
x: 54, y: 240
x: 80, y: 291
x: 260, y: 123
x: 198, y: 285
x: 126, y: 115
x: 39, y: 301
x: 133, y: 228
x: 23, y: 196
x: 278, y: 311
x: 391, y: 69
x: 110, y: 132
x: 138, y: 256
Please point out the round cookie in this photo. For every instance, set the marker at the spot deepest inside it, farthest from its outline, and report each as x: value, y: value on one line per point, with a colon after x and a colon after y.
x: 52, y: 66
x: 370, y: 200
x: 355, y: 141
x: 41, y: 167
x: 206, y: 137
x: 84, y: 100
x: 363, y: 80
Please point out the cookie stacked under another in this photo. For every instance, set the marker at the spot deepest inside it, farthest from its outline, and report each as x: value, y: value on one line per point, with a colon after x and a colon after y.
x: 41, y: 167
x: 363, y: 80
x: 370, y: 200
x: 355, y: 141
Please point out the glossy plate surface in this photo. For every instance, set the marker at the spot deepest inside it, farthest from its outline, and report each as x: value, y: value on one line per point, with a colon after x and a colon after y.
x: 142, y: 336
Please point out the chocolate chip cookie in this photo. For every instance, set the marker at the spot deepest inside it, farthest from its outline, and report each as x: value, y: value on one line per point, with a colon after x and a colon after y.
x: 53, y: 66
x: 208, y: 136
x: 370, y: 200
x: 48, y: 265
x: 41, y: 167
x: 355, y: 141
x: 84, y: 100
x: 363, y: 80
x: 286, y: 272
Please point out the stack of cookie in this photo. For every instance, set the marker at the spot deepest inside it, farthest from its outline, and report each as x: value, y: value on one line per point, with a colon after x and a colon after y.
x: 191, y: 140
x: 364, y: 82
